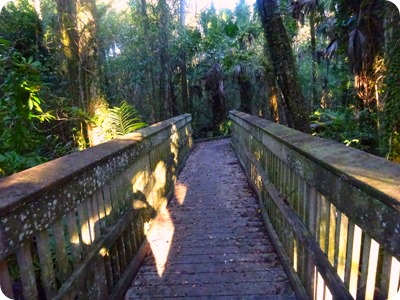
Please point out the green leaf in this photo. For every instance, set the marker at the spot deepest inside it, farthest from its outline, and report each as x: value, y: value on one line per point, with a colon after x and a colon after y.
x: 36, y: 64
x: 231, y: 29
x: 30, y: 103
x: 125, y: 119
x: 5, y: 42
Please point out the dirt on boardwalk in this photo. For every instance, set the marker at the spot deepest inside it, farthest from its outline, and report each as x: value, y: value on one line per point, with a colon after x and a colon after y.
x: 210, y: 242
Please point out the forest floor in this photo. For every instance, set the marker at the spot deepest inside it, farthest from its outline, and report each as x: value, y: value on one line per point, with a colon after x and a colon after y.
x: 210, y: 242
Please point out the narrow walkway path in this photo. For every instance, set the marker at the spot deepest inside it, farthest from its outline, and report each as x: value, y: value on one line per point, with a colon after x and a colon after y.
x: 210, y: 242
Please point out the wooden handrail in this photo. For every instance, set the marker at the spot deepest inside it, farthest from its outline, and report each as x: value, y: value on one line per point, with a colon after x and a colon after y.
x: 74, y: 226
x: 315, y: 192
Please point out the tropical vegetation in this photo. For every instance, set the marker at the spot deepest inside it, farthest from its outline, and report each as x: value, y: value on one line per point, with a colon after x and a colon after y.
x: 77, y: 73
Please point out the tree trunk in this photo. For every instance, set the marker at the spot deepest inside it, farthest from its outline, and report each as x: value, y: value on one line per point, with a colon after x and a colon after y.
x: 89, y: 70
x: 163, y: 42
x: 215, y: 85
x: 69, y: 41
x: 284, y: 64
x: 392, y: 103
x: 245, y: 94
x: 78, y: 32
x: 184, y: 87
x: 314, y: 96
x: 173, y: 109
x: 273, y: 99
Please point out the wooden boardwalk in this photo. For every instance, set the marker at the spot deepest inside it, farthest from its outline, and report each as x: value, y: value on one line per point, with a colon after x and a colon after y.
x: 210, y: 242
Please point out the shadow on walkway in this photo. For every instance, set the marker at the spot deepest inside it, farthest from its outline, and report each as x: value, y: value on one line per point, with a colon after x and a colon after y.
x: 210, y: 242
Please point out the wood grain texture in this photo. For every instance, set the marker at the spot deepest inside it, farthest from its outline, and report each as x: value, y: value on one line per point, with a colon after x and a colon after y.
x: 211, y: 241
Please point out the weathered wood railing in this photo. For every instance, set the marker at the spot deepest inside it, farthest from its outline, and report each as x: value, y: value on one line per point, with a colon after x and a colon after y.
x: 73, y: 227
x: 332, y: 211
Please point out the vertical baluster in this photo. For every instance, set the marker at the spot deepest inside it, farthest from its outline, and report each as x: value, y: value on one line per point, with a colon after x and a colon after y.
x: 128, y: 244
x: 318, y: 217
x: 140, y: 229
x: 122, y: 189
x: 115, y: 263
x: 302, y: 263
x: 372, y: 270
x: 274, y: 168
x: 291, y: 195
x: 26, y: 271
x: 101, y: 210
x: 319, y: 287
x: 84, y: 226
x: 291, y: 241
x: 331, y: 240
x: 132, y: 234
x: 355, y: 242
x: 309, y: 221
x: 97, y: 210
x: 312, y: 210
x: 295, y: 255
x: 301, y: 183
x: 308, y: 267
x: 295, y: 191
x: 328, y: 294
x: 91, y: 220
x: 324, y: 225
x: 332, y: 235
x: 116, y: 206
x: 342, y: 238
x: 394, y: 282
x: 314, y: 220
x: 284, y: 185
x: 63, y: 266
x: 362, y: 284
x: 310, y: 276
x: 270, y: 165
x: 94, y: 218
x: 282, y: 230
x: 108, y: 270
x: 281, y: 183
x: 107, y: 205
x: 390, y: 279
x: 5, y: 280
x: 353, y: 258
x: 97, y: 285
x: 121, y: 253
x: 46, y: 264
x: 75, y: 241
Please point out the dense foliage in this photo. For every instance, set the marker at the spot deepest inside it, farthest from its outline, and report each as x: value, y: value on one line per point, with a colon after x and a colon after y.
x: 76, y: 73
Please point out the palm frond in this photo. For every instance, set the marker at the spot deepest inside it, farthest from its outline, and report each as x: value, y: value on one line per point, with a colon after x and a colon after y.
x: 357, y: 49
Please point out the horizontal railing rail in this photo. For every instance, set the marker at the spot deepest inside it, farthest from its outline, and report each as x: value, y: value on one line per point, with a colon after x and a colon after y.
x: 75, y: 227
x: 333, y: 212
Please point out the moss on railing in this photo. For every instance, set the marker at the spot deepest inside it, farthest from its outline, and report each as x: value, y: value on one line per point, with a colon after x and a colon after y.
x: 76, y: 226
x: 333, y: 211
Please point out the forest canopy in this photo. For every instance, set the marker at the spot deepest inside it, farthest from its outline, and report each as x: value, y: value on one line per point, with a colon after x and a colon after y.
x: 74, y: 74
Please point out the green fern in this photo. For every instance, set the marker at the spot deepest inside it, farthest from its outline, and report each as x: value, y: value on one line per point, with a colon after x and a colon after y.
x: 125, y: 119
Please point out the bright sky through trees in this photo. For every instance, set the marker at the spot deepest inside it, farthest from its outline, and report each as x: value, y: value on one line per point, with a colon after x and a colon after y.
x: 219, y: 4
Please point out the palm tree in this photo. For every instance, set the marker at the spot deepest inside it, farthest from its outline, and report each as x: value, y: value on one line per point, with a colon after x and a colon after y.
x: 284, y: 65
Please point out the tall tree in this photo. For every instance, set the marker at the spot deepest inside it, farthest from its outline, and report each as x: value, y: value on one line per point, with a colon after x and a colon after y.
x: 184, y: 87
x: 215, y: 86
x: 392, y: 104
x: 284, y: 64
x: 78, y: 28
x: 164, y: 96
x: 299, y: 9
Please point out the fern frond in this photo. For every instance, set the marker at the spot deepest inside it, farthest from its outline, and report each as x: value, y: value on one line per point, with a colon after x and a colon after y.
x: 125, y: 119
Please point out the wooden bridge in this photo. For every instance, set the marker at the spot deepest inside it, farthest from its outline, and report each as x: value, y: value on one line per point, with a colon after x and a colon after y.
x: 321, y: 221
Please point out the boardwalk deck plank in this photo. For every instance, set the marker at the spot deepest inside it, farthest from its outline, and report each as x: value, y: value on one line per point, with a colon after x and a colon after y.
x: 210, y: 242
